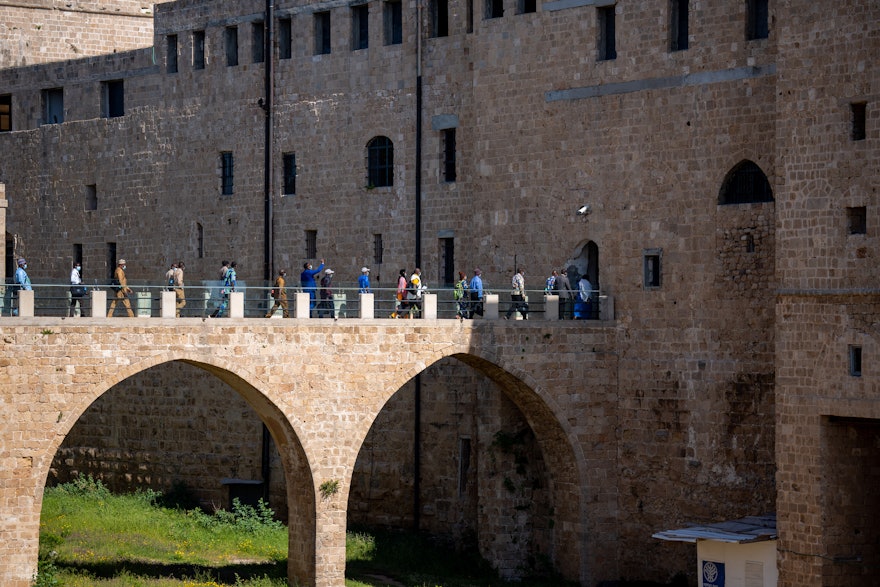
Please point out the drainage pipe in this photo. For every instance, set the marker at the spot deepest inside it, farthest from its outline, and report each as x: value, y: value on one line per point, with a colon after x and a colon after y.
x: 268, y: 220
x: 417, y: 425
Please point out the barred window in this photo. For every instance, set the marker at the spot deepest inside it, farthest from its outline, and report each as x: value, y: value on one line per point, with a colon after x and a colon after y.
x: 380, y: 162
x: 745, y: 184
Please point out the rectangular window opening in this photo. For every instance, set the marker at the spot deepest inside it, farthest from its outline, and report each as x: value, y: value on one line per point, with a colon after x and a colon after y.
x: 6, y: 113
x: 857, y: 220
x: 464, y: 465
x: 449, y: 173
x: 171, y: 54
x: 393, y: 17
x: 198, y: 49
x: 53, y: 106
x: 439, y: 18
x: 113, y: 99
x: 200, y: 243
x: 111, y: 259
x: 855, y: 361
x: 678, y: 25
x: 470, y: 15
x: 226, y: 173
x: 289, y: 161
x: 311, y: 244
x: 494, y: 9
x: 526, y: 6
x: 322, y: 33
x: 360, y: 27
x: 285, y: 38
x: 652, y: 268
x: 378, y: 249
x: 607, y: 33
x: 231, y: 40
x: 859, y: 111
x: 91, y: 197
x: 757, y: 19
x: 258, y: 41
x: 78, y: 253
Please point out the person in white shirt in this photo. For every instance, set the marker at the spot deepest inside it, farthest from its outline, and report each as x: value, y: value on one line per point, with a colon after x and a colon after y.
x: 77, y: 291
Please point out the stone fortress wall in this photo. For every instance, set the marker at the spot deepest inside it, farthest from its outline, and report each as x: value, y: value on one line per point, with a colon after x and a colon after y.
x: 542, y: 126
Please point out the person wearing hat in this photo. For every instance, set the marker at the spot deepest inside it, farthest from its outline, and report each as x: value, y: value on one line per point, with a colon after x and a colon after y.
x: 22, y: 281
x: 325, y: 310
x: 122, y: 290
x: 280, y: 294
x: 364, y: 281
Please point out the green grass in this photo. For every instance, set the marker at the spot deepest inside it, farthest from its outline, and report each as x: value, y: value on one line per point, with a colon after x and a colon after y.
x: 89, y: 537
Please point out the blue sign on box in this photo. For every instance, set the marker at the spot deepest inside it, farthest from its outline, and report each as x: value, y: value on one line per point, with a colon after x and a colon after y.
x: 713, y: 574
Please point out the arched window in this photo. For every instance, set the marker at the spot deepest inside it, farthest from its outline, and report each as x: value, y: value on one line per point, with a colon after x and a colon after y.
x: 380, y: 162
x: 745, y: 184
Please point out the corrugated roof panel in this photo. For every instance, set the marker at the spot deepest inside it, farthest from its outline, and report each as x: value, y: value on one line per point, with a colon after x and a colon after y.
x: 742, y: 531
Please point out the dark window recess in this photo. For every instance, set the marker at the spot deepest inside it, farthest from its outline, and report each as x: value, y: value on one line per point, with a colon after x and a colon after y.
x: 750, y: 243
x: 198, y: 49
x: 91, y: 197
x: 5, y: 113
x: 226, y: 173
x: 114, y: 99
x: 289, y: 174
x: 285, y: 38
x: 607, y: 33
x: 469, y: 6
x: 378, y: 249
x: 857, y: 220
x: 322, y: 33
x: 380, y: 162
x: 258, y: 41
x: 360, y: 27
x: 447, y: 261
x: 449, y: 174
x: 757, y: 19
x: 439, y: 18
x: 171, y: 54
x: 111, y: 260
x: 855, y: 361
x: 652, y: 269
x: 200, y: 235
x: 231, y: 40
x: 526, y: 6
x: 745, y: 184
x: 311, y: 244
x: 53, y: 106
x: 494, y: 8
x: 678, y: 25
x: 78, y: 253
x: 859, y: 111
x: 393, y: 17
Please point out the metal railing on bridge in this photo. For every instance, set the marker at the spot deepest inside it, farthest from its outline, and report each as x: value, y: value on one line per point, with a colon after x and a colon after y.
x: 248, y: 301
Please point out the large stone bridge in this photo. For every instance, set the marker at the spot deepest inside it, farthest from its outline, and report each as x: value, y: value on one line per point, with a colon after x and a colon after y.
x: 318, y: 386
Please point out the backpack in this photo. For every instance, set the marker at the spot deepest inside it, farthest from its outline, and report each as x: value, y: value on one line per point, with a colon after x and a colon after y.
x: 550, y: 284
x: 458, y: 292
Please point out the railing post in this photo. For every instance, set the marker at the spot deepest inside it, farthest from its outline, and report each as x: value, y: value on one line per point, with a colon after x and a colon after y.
x: 429, y: 306
x: 167, y: 304
x: 99, y: 303
x: 367, y: 310
x: 26, y: 303
x: 236, y: 304
x: 490, y: 310
x: 551, y: 307
x: 301, y: 306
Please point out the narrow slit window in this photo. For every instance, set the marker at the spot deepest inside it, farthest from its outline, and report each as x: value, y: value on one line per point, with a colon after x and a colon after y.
x: 859, y: 111
x: 285, y: 38
x: 678, y: 25
x: 113, y: 98
x: 439, y: 18
x: 53, y: 106
x: 322, y: 33
x: 311, y: 244
x: 607, y: 33
x: 258, y: 42
x: 289, y: 160
x: 378, y: 249
x: 757, y: 19
x: 91, y: 197
x: 651, y: 268
x: 171, y: 54
x: 226, y: 173
x: 198, y: 49
x: 855, y: 361
x: 231, y: 38
x: 360, y: 27
x: 5, y: 113
x: 449, y: 163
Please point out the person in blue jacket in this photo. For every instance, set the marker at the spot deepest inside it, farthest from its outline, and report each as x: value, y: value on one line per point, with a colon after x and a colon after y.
x: 307, y: 281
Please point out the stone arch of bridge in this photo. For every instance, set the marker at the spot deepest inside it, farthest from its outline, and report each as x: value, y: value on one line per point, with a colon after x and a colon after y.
x: 568, y: 468
x: 295, y: 463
